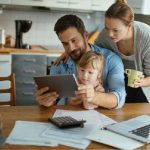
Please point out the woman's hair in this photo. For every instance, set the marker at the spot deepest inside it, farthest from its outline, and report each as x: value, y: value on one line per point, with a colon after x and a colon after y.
x: 93, y: 59
x: 68, y: 21
x: 120, y: 10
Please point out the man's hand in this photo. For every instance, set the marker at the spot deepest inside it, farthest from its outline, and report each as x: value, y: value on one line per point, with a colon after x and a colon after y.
x: 99, y: 88
x: 45, y: 99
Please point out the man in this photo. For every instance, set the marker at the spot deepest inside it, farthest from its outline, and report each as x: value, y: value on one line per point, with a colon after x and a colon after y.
x: 71, y: 31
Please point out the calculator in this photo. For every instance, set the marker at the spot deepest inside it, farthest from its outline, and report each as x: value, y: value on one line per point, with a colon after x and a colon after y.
x: 66, y: 122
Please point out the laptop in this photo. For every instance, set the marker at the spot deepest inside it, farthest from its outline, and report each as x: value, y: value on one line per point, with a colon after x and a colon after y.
x: 137, y: 128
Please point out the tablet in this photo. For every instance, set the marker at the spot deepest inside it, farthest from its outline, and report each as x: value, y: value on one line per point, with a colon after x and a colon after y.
x: 65, y: 85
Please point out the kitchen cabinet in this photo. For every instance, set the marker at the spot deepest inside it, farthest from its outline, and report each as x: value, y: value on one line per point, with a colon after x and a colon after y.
x: 58, y: 4
x: 140, y: 6
x: 5, y: 70
x: 30, y: 2
x: 80, y: 4
x: 5, y: 1
x: 5, y: 64
x: 66, y: 4
x: 25, y: 68
x: 44, y: 3
x: 101, y: 5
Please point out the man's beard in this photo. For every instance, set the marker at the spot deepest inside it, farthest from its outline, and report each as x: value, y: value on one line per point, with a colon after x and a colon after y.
x: 76, y: 57
x: 74, y: 54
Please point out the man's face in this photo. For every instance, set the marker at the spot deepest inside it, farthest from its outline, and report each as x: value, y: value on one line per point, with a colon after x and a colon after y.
x: 74, y: 43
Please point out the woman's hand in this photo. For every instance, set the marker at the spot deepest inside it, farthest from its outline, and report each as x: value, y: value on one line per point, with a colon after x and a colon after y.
x: 64, y: 57
x: 45, y: 99
x: 142, y: 81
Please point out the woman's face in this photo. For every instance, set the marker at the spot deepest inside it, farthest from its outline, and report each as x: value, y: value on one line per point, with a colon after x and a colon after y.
x: 87, y: 75
x: 116, y: 29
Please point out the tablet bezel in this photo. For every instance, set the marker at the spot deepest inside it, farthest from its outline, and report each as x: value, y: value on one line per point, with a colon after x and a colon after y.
x: 65, y: 84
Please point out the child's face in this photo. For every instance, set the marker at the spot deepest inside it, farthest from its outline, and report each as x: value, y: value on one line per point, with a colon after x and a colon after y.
x: 87, y: 75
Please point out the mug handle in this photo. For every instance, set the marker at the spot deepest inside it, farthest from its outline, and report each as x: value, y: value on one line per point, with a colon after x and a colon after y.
x: 128, y: 72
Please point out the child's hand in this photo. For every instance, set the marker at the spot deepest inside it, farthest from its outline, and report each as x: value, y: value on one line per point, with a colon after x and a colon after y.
x: 85, y: 92
x: 74, y: 101
x: 89, y: 105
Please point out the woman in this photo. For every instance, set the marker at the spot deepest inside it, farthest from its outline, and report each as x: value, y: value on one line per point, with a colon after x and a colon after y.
x: 131, y: 41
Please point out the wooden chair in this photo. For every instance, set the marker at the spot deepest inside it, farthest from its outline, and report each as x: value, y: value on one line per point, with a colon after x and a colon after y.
x: 11, y: 90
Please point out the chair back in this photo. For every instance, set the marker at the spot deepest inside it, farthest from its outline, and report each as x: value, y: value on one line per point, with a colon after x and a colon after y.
x: 11, y: 90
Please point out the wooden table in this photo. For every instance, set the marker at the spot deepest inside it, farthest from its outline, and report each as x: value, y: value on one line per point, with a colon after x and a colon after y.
x: 36, y: 113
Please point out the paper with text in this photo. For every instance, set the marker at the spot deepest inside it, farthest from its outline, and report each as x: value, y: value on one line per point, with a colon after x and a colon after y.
x: 115, y: 140
x: 29, y: 133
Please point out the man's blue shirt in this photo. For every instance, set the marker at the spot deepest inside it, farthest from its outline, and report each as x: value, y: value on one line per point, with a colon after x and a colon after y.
x: 113, y: 75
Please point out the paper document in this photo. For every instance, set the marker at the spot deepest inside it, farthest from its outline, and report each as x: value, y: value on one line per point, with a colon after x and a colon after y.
x: 29, y: 133
x: 115, y: 140
x: 75, y: 137
x: 67, y: 137
x: 47, y: 134
x: 91, y: 116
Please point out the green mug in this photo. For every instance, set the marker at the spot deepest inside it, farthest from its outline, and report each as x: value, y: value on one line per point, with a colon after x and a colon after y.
x: 132, y: 76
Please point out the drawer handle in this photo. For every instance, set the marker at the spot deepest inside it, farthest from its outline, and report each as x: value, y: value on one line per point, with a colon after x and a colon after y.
x: 96, y: 5
x: 30, y: 60
x: 29, y: 71
x: 37, y: 0
x: 26, y: 82
x: 4, y: 60
x: 73, y: 3
x: 28, y: 93
x: 62, y: 2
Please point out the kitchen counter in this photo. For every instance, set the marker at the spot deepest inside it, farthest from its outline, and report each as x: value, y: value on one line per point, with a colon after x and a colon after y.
x: 35, y: 49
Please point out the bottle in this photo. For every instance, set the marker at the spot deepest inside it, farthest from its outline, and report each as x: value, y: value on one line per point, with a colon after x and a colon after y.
x: 2, y: 38
x: 8, y: 39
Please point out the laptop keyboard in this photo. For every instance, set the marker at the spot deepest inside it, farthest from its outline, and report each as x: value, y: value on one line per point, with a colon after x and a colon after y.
x: 143, y: 131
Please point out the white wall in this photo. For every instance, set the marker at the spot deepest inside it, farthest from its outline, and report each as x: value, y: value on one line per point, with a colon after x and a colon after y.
x: 41, y: 32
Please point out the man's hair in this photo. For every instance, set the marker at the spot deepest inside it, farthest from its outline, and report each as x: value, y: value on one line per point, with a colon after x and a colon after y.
x: 67, y: 21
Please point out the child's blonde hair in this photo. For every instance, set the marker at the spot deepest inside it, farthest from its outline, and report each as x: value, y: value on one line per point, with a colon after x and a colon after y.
x: 95, y: 59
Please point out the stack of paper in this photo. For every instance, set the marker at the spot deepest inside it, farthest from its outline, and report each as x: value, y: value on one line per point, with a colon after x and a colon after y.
x: 37, y: 133
x: 29, y: 133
